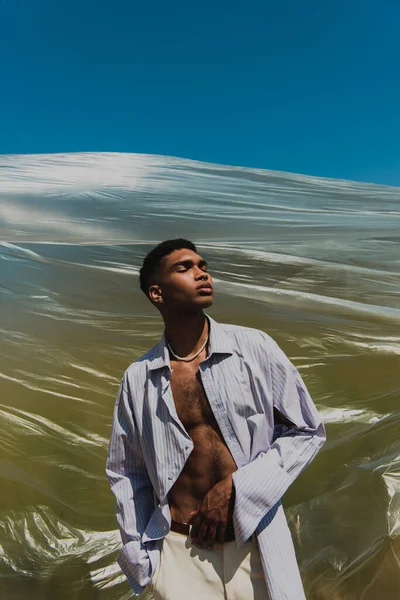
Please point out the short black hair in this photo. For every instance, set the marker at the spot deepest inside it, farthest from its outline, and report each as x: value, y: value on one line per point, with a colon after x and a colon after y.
x: 153, y: 259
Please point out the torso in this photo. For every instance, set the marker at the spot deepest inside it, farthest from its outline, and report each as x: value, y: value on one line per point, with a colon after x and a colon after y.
x: 210, y: 460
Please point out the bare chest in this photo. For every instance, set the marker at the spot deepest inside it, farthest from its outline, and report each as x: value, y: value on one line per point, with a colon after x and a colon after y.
x: 190, y: 399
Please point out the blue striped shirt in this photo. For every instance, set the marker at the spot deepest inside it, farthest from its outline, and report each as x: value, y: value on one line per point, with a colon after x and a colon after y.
x: 246, y: 378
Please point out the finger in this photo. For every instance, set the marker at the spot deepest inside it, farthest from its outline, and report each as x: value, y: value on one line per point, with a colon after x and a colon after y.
x: 192, y: 517
x: 221, y: 533
x: 194, y: 530
x: 201, y: 534
x: 211, y: 536
x: 196, y: 523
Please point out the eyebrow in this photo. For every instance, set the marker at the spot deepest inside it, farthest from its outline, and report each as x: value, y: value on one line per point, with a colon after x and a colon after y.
x: 188, y: 263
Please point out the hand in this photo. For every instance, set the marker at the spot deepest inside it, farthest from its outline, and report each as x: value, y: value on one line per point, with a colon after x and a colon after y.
x: 209, y: 521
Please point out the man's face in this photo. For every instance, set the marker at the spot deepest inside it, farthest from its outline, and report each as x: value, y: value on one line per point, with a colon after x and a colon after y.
x: 183, y: 282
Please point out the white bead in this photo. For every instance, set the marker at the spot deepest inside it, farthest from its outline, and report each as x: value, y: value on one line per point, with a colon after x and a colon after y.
x: 187, y: 358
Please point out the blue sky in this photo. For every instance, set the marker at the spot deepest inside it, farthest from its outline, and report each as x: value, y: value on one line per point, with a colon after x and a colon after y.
x: 304, y: 86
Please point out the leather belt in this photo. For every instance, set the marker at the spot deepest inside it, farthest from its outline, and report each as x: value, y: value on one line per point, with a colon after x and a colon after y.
x: 184, y: 529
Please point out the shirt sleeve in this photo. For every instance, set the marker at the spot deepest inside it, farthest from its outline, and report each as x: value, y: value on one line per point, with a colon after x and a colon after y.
x: 260, y: 484
x: 133, y: 491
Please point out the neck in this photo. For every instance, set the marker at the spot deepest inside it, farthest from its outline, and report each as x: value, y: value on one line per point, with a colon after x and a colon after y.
x: 186, y: 332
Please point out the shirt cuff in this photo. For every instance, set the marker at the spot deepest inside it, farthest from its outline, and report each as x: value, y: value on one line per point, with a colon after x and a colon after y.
x: 258, y: 486
x: 135, y: 563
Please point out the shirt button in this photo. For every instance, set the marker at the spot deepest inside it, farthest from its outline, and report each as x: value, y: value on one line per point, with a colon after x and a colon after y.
x: 170, y: 477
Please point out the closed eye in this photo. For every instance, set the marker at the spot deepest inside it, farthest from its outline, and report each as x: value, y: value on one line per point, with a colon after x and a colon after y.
x: 184, y: 265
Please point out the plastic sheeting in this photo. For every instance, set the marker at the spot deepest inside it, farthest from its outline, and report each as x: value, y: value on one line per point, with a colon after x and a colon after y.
x: 313, y: 262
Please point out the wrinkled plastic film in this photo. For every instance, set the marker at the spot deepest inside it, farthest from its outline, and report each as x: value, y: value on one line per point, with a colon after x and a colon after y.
x: 315, y: 263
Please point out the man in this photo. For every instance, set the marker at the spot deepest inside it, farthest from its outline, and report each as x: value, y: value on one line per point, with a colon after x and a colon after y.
x: 210, y: 428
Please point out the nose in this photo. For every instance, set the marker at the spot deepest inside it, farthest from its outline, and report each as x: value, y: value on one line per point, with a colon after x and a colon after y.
x: 200, y: 274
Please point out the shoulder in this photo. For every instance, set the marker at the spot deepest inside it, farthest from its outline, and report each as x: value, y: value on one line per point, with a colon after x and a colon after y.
x: 138, y: 369
x: 250, y: 337
x: 256, y: 347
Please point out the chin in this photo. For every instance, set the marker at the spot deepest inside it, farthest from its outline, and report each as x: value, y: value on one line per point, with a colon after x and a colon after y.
x: 196, y: 304
x: 202, y: 303
x: 206, y: 302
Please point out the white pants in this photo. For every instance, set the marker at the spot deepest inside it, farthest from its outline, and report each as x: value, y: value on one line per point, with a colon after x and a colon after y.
x: 226, y: 572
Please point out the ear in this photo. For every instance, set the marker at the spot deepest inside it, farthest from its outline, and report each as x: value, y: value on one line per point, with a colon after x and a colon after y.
x: 155, y: 294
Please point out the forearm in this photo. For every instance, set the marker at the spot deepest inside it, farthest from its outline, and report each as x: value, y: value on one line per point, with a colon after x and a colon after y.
x: 132, y: 488
x: 134, y: 504
x: 298, y: 435
x: 134, y: 507
x: 260, y: 484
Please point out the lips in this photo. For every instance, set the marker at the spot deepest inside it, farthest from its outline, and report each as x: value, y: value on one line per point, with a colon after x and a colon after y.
x: 205, y: 287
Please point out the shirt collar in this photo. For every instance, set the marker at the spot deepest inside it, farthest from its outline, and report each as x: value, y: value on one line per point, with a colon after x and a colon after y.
x: 218, y: 343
